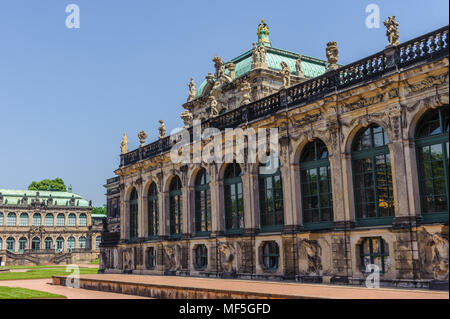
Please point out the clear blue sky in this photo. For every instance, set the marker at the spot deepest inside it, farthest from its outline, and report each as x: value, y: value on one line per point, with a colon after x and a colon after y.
x: 68, y: 95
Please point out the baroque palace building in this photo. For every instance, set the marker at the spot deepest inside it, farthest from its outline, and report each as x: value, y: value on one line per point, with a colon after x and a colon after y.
x: 363, y: 177
x: 47, y: 227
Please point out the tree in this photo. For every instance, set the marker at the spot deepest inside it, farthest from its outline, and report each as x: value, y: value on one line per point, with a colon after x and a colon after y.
x: 99, y: 210
x: 56, y: 184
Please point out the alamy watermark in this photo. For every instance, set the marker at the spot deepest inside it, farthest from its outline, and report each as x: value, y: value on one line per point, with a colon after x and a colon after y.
x: 373, y: 19
x: 373, y: 279
x: 73, y: 280
x: 73, y: 19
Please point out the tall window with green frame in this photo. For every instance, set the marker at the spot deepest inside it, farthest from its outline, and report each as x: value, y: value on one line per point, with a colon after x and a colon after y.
x: 315, y: 181
x: 152, y: 208
x: 271, y: 197
x: 175, y: 206
x: 202, y: 203
x: 372, y: 177
x: 133, y: 215
x: 432, y: 151
x: 234, y: 201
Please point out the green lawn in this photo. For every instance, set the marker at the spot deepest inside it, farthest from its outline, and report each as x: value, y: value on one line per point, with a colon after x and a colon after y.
x: 43, y: 273
x: 95, y: 262
x: 32, y: 267
x: 23, y: 293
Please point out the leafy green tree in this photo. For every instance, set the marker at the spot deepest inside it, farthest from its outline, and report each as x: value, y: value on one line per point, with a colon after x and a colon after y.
x: 56, y: 184
x: 99, y: 210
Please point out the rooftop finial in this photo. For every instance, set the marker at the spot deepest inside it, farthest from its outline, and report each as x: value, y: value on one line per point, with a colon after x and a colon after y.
x: 263, y: 33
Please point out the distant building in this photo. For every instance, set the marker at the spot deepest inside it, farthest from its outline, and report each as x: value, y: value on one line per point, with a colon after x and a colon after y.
x: 113, y: 204
x: 41, y: 227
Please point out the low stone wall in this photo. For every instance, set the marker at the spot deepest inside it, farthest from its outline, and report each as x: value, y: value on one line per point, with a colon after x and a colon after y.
x: 168, y: 292
x: 43, y: 258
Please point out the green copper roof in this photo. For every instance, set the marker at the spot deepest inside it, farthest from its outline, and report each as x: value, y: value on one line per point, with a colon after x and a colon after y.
x: 311, y: 67
x: 15, y: 196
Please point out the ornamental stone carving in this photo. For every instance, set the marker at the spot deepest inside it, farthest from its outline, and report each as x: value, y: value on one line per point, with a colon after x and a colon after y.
x: 142, y: 136
x: 255, y: 56
x: 392, y: 31
x: 245, y: 89
x: 285, y: 75
x: 219, y: 65
x: 187, y: 118
x: 173, y: 261
x: 262, y: 56
x: 124, y: 144
x: 228, y: 254
x: 311, y: 250
x: 213, y: 106
x: 332, y: 53
x: 192, y: 90
x: 162, y: 129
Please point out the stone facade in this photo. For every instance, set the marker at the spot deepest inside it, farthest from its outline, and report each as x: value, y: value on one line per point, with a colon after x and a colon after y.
x: 391, y: 91
x: 47, y: 228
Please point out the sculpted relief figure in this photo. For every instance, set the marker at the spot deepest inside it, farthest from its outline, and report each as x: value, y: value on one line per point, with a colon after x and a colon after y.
x: 219, y: 66
x: 392, y: 31
x: 298, y: 66
x: 332, y: 53
x: 285, y: 75
x: 187, y: 118
x: 124, y: 144
x: 228, y: 253
x: 255, y: 56
x: 142, y: 136
x: 173, y: 257
x: 162, y: 129
x: 312, y: 251
x: 213, y: 106
x: 262, y: 55
x: 192, y: 90
x: 245, y: 89
x: 440, y: 256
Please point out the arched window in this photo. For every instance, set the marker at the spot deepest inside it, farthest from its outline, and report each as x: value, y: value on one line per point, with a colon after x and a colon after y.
x: 234, y: 201
x: 175, y: 206
x: 60, y: 220
x: 432, y: 160
x: 271, y: 197
x: 11, y: 220
x: 59, y: 244
x: 372, y: 177
x: 202, y: 203
x: 152, y: 207
x: 23, y: 219
x: 72, y: 221
x: 98, y: 240
x: 82, y: 221
x: 36, y: 244
x: 71, y: 243
x: 315, y: 181
x: 22, y: 245
x: 133, y: 215
x: 49, y: 220
x: 82, y: 242
x: 10, y: 244
x: 37, y: 219
x: 48, y: 242
x: 201, y: 257
x: 270, y: 255
x: 1, y: 219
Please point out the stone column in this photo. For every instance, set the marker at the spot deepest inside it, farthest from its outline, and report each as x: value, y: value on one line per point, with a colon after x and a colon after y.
x: 143, y: 219
x: 217, y: 202
x: 124, y: 207
x: 250, y: 195
x: 187, y: 209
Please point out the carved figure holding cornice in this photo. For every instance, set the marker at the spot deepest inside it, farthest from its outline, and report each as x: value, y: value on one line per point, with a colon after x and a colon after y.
x: 162, y: 129
x: 312, y: 251
x: 192, y: 90
x: 142, y: 136
x: 255, y: 56
x: 262, y: 55
x: 392, y: 31
x: 213, y: 106
x: 187, y: 118
x: 227, y: 252
x: 285, y: 75
x: 298, y: 66
x: 220, y: 67
x: 332, y: 53
x: 124, y: 144
x: 245, y: 89
x: 440, y: 256
x: 174, y: 258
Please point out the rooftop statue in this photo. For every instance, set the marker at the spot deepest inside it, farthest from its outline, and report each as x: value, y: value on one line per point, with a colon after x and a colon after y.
x: 162, y: 129
x: 332, y: 52
x: 392, y: 31
x: 298, y: 66
x: 187, y: 118
x: 213, y: 105
x: 262, y: 55
x: 255, y: 56
x: 285, y: 75
x: 124, y: 144
x: 142, y: 136
x: 263, y: 32
x: 220, y: 67
x: 192, y: 90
